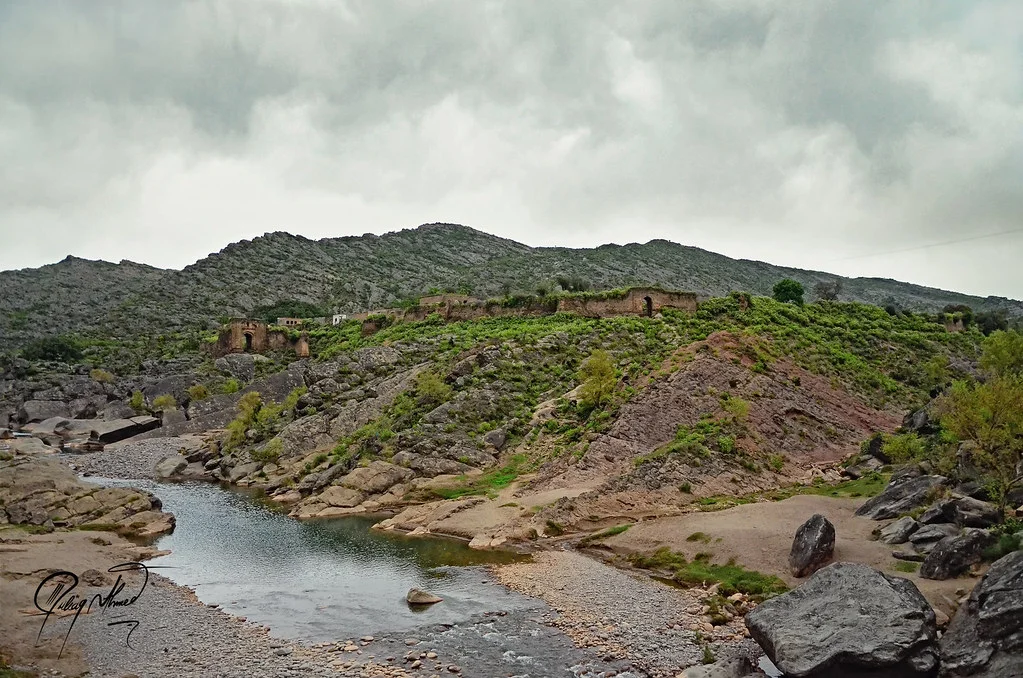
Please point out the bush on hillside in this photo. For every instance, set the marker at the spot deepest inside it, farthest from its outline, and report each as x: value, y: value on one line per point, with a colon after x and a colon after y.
x: 61, y: 349
x: 788, y: 291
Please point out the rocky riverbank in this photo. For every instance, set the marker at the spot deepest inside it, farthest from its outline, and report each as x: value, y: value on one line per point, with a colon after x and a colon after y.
x: 626, y: 616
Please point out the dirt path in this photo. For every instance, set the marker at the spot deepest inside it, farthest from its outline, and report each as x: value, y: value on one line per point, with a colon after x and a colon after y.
x: 759, y: 537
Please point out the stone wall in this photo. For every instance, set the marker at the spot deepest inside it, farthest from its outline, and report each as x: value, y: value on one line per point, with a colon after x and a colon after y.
x: 456, y: 308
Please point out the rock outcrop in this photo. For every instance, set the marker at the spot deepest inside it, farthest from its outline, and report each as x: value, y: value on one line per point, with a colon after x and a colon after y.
x: 44, y: 492
x: 813, y: 546
x: 985, y: 638
x: 848, y: 620
x: 953, y: 556
x: 902, y: 495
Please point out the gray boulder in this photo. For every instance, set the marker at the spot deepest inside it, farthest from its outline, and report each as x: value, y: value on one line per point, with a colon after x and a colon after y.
x: 88, y: 407
x: 40, y: 410
x: 176, y: 386
x: 848, y: 619
x: 953, y: 556
x: 902, y: 495
x: 241, y: 366
x: 813, y: 546
x: 117, y: 409
x: 971, y: 512
x: 171, y: 466
x: 985, y: 638
x: 899, y: 531
x: 420, y: 597
x: 735, y: 667
x: 497, y: 438
x: 928, y: 536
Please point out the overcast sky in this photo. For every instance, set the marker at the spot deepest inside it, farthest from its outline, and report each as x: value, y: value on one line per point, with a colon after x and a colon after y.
x: 802, y: 133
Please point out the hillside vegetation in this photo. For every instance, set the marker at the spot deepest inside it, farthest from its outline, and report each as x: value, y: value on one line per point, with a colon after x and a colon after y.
x: 128, y: 301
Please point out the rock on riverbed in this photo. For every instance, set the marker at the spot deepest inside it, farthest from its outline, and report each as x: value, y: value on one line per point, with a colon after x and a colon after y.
x: 847, y: 618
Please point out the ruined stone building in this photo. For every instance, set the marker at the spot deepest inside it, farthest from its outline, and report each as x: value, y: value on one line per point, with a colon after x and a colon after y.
x: 245, y: 335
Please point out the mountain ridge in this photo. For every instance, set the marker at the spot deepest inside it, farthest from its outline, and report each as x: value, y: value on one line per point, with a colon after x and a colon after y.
x: 357, y: 273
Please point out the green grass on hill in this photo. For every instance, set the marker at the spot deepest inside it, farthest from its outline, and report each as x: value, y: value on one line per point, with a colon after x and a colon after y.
x: 869, y: 485
x: 701, y: 572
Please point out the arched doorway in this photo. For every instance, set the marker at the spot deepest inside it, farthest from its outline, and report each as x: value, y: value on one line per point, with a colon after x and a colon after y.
x: 649, y: 312
x: 248, y: 341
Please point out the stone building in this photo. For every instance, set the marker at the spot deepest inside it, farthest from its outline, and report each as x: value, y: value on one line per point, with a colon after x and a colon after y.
x: 245, y: 335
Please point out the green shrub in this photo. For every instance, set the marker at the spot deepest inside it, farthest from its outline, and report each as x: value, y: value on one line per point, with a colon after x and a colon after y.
x: 431, y: 389
x: 137, y: 402
x: 230, y: 386
x: 269, y: 453
x: 904, y: 447
x: 61, y: 349
x: 102, y: 376
x: 598, y: 379
x: 198, y: 392
x: 165, y: 403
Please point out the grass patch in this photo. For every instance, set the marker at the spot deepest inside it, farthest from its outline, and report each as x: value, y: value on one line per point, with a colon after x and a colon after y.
x: 700, y: 572
x: 906, y: 566
x: 869, y: 485
x: 489, y: 483
x: 699, y: 536
x: 604, y: 534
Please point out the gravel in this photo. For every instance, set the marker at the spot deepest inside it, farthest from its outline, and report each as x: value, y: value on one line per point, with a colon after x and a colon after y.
x: 179, y: 637
x: 129, y: 461
x: 625, y: 616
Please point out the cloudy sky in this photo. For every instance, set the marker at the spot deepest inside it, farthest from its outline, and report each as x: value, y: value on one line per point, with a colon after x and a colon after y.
x: 855, y: 137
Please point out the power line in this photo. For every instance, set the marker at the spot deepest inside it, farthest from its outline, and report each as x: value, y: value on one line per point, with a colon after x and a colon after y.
x: 924, y: 247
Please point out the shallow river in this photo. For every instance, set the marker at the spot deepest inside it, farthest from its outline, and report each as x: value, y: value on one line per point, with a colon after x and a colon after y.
x: 337, y: 579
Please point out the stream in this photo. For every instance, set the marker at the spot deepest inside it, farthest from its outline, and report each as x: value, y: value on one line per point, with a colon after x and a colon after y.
x: 337, y: 579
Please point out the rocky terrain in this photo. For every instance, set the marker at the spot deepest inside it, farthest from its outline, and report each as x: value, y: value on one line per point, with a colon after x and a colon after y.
x: 129, y: 300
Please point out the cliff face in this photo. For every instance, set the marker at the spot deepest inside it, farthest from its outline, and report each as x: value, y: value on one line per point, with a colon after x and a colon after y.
x: 354, y: 274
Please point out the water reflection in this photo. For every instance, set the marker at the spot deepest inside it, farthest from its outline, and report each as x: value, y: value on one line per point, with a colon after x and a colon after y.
x: 320, y: 580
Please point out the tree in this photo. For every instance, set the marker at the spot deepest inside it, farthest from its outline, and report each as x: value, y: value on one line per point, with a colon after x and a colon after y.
x: 828, y: 290
x: 1003, y: 353
x: 992, y: 321
x: 60, y: 349
x: 989, y: 417
x: 598, y: 377
x: 964, y: 311
x: 789, y: 291
x: 572, y: 283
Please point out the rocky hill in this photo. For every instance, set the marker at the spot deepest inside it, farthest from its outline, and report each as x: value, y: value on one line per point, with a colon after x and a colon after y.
x: 359, y: 273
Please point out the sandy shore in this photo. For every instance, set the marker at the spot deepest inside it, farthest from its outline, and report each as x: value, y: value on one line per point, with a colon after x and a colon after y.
x: 759, y: 537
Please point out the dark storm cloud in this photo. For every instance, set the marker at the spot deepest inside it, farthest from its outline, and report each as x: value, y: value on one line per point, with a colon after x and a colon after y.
x: 797, y: 132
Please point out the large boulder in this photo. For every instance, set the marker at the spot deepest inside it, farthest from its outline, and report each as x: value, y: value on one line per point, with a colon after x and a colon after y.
x: 970, y: 512
x: 985, y: 638
x: 902, y: 495
x: 241, y: 366
x: 928, y: 536
x: 847, y: 620
x: 40, y: 410
x: 899, y: 531
x: 175, y: 386
x: 953, y: 556
x: 341, y: 497
x: 813, y: 546
x: 171, y: 466
x: 377, y: 477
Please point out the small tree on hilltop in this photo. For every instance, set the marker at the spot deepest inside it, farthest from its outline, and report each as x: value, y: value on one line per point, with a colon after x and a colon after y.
x: 598, y: 379
x: 828, y: 290
x: 789, y: 291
